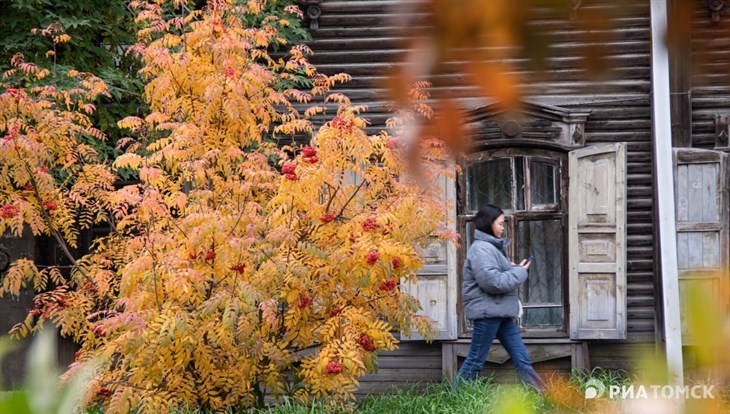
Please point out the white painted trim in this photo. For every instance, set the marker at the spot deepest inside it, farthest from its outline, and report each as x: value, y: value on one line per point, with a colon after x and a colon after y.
x: 662, y: 140
x: 452, y: 261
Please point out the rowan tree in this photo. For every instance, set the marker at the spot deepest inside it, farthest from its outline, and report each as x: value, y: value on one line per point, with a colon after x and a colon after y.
x: 236, y: 267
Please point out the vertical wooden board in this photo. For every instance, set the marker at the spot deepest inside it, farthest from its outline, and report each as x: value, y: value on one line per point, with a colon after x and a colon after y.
x: 452, y: 265
x: 711, y: 249
x: 682, y: 199
x: 682, y: 250
x: 695, y: 250
x: 449, y: 362
x: 598, y: 291
x: 597, y: 203
x: 710, y: 199
x: 432, y: 291
x: 694, y: 192
x: 698, y: 250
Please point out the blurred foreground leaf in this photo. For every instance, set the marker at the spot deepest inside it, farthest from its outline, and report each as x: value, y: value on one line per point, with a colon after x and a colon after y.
x: 44, y: 393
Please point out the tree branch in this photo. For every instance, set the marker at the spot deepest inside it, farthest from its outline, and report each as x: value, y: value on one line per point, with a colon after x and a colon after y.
x: 49, y: 223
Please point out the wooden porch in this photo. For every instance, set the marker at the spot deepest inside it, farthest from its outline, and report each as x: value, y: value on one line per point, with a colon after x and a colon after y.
x: 540, y: 349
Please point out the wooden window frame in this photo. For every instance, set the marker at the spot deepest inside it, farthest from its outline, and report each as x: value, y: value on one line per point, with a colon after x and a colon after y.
x: 558, y: 211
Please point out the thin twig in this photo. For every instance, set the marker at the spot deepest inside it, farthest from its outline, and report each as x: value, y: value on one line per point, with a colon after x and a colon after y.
x: 49, y: 223
x: 238, y: 220
x: 154, y: 266
x: 351, y: 197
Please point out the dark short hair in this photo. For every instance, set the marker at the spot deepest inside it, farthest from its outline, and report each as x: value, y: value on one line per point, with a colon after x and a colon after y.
x: 486, y: 216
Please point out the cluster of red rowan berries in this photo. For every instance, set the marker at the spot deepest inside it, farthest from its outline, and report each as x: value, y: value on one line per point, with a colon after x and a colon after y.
x: 342, y: 123
x: 209, y: 255
x: 366, y: 343
x: 50, y: 205
x: 372, y: 257
x: 334, y: 367
x: 389, y: 284
x: 289, y: 170
x: 12, y: 133
x: 370, y: 224
x: 304, y: 302
x: 328, y: 216
x: 309, y: 154
x: 9, y: 211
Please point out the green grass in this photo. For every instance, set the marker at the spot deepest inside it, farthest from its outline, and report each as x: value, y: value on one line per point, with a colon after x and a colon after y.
x: 565, y: 395
x: 475, y: 397
x: 482, y: 397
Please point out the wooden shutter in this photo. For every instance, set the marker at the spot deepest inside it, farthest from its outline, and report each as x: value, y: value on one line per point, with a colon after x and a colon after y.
x: 701, y: 200
x: 435, y: 287
x: 597, y: 242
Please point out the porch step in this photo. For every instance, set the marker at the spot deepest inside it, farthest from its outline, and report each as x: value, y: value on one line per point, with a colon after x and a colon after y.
x: 540, y: 349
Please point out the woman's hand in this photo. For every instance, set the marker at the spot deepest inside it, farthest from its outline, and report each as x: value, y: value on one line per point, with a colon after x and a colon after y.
x: 525, y: 263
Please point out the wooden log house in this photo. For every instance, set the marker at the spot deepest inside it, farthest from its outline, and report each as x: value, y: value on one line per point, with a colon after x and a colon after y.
x: 582, y: 170
x: 577, y: 172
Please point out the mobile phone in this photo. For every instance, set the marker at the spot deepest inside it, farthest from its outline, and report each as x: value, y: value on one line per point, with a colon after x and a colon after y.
x: 530, y: 258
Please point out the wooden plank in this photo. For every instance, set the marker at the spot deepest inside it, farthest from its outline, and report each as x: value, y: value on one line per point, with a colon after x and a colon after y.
x: 636, y: 313
x: 694, y: 191
x: 680, y: 79
x: 694, y: 240
x: 711, y: 194
x: 642, y: 325
x: 410, y: 361
x: 403, y: 374
x: 449, y: 362
x: 711, y: 252
x: 683, y: 250
x: 681, y: 185
x: 580, y: 359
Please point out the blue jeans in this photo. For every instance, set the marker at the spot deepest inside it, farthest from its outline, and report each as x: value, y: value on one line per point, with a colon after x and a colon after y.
x: 485, y: 330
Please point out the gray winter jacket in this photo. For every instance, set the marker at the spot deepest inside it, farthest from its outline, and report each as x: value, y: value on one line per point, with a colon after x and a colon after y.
x: 490, y: 281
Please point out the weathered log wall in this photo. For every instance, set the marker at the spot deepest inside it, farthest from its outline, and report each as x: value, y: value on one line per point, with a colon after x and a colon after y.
x: 361, y: 38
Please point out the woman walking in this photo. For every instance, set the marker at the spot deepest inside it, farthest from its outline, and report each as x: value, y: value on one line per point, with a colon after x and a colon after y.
x: 489, y: 293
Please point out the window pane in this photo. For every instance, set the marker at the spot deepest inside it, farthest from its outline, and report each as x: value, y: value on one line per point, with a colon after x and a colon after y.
x: 520, y: 183
x: 543, y: 183
x: 543, y: 239
x: 536, y: 317
x: 490, y: 182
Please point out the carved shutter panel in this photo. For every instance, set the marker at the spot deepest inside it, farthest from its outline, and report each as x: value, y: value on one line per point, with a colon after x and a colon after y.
x: 435, y: 288
x: 597, y: 242
x: 701, y: 196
